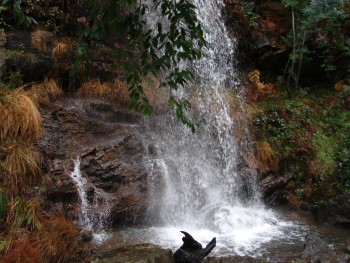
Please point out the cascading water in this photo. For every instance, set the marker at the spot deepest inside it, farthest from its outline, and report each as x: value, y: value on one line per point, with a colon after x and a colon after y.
x: 93, y: 215
x: 80, y: 182
x: 195, y: 177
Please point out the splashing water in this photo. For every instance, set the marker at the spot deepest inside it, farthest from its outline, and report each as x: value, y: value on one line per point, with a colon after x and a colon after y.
x: 80, y: 182
x: 93, y: 216
x: 195, y: 179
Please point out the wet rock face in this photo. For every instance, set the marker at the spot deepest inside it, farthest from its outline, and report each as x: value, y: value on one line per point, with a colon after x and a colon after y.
x: 314, y: 248
x: 271, y: 187
x: 143, y: 253
x: 335, y: 211
x: 35, y: 54
x: 111, y: 157
x: 118, y: 171
x: 317, y: 250
x: 234, y: 259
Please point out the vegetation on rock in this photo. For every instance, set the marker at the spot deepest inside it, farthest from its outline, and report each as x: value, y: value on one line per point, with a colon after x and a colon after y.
x: 300, y: 86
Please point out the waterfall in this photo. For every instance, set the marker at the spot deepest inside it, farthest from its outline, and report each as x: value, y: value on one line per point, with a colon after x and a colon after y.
x: 80, y: 182
x: 200, y: 170
x: 196, y: 181
x: 195, y: 177
x: 93, y: 214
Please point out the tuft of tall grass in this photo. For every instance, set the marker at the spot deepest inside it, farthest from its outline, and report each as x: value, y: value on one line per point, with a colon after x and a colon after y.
x: 21, y: 164
x: 21, y: 247
x: 95, y: 89
x: 20, y: 128
x: 24, y: 214
x: 36, y: 236
x: 60, y: 241
x: 62, y: 48
x: 117, y: 91
x: 266, y: 157
x: 19, y: 117
x: 43, y: 93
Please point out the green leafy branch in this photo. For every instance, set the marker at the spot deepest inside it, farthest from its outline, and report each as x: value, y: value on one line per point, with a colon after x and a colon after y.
x: 177, y: 37
x: 14, y: 7
x: 162, y: 50
x: 320, y: 23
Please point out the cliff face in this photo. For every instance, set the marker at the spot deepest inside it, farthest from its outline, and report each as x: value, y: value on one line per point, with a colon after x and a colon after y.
x: 107, y: 141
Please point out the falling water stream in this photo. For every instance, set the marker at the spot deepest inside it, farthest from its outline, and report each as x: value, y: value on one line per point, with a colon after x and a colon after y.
x: 94, y: 213
x: 195, y: 179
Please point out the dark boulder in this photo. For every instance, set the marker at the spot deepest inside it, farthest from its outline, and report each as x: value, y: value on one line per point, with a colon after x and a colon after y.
x: 316, y: 249
x: 335, y: 211
x: 271, y: 185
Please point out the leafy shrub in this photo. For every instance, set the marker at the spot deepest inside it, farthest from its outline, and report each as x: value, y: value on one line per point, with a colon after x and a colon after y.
x: 342, y: 157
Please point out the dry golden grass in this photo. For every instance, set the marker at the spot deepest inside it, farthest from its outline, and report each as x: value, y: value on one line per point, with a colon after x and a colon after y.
x: 262, y: 157
x: 266, y: 156
x: 20, y: 127
x: 21, y: 165
x: 114, y: 91
x: 117, y: 91
x: 44, y: 93
x: 19, y: 118
x: 62, y: 48
x: 254, y: 76
x: 158, y: 97
x: 95, y: 89
x: 22, y: 247
x: 60, y: 240
x: 35, y: 236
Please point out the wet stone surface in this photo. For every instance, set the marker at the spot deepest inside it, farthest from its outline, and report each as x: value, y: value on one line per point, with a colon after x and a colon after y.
x: 142, y: 253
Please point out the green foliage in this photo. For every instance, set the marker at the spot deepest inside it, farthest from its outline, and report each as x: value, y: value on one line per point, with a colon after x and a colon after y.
x: 23, y: 214
x: 342, y: 158
x: 310, y: 133
x: 247, y: 8
x: 163, y: 49
x: 291, y: 3
x: 317, y: 29
x: 3, y: 244
x: 14, y: 7
x: 271, y: 124
x: 325, y: 148
x: 177, y: 37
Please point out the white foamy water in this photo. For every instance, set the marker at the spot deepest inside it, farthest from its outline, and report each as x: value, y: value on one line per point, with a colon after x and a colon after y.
x: 93, y: 216
x: 81, y: 182
x: 196, y: 182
